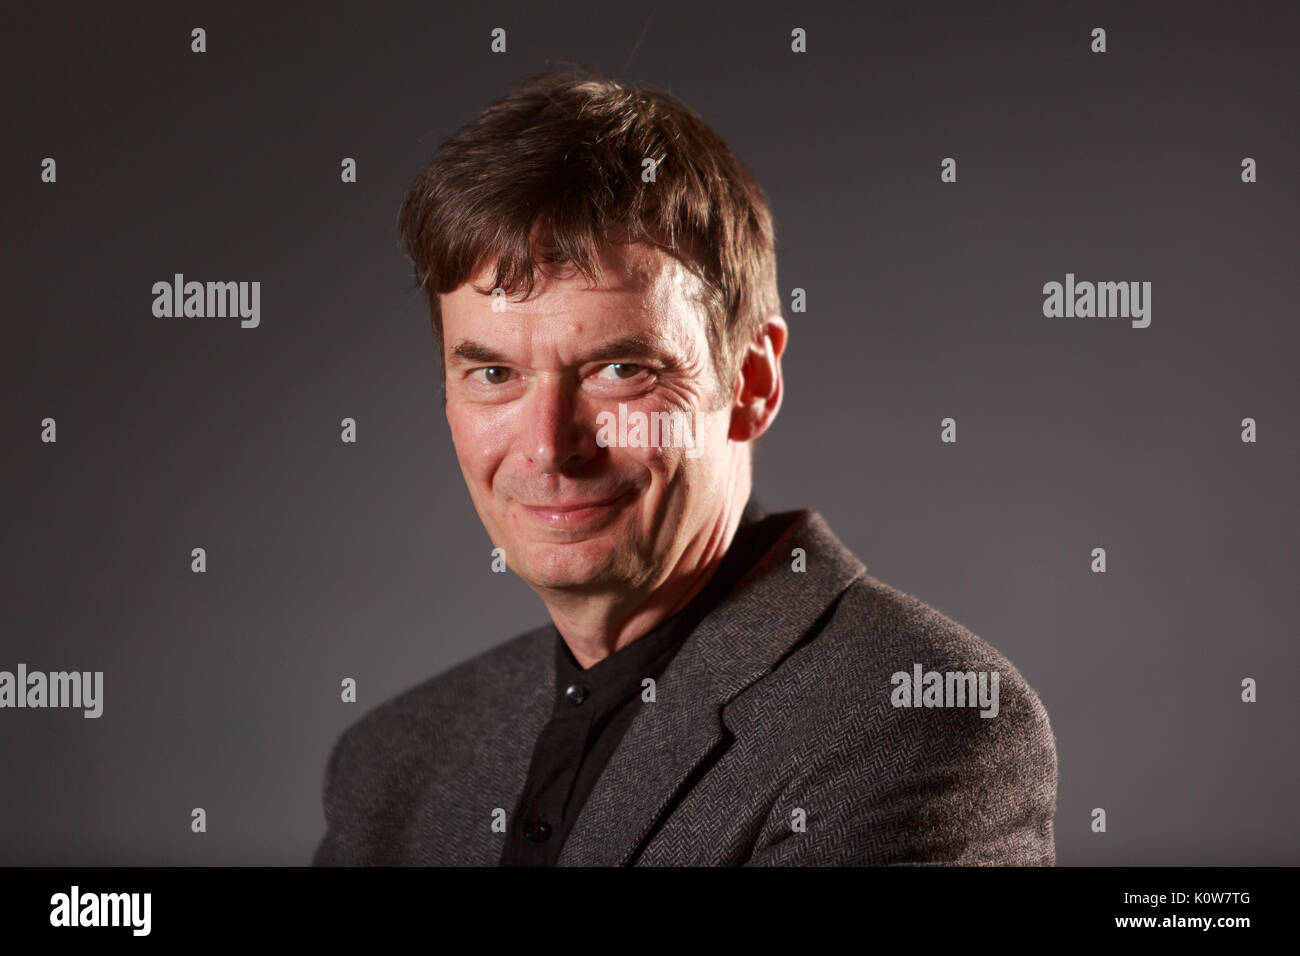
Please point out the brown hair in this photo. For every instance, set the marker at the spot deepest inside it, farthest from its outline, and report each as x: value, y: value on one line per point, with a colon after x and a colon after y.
x: 553, y: 170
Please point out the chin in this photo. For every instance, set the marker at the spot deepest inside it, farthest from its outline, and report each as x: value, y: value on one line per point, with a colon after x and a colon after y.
x: 577, y: 565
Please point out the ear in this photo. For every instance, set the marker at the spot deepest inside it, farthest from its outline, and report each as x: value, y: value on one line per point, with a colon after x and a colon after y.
x: 758, y: 384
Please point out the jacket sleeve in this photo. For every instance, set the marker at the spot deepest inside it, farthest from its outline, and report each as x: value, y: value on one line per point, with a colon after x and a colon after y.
x: 917, y: 786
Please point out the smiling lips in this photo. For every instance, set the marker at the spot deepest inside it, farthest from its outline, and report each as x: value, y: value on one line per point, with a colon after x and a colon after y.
x: 572, y: 513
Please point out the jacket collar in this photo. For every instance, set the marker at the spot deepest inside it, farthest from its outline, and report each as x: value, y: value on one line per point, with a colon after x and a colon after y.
x: 741, y: 640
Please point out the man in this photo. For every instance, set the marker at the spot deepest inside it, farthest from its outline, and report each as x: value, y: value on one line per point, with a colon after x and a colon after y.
x: 718, y: 685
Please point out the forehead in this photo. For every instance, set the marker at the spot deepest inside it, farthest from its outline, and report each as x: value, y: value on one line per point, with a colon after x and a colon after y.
x: 641, y: 285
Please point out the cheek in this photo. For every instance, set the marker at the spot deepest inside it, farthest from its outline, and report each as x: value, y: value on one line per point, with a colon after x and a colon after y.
x: 657, y: 460
x: 667, y: 466
x: 481, y: 440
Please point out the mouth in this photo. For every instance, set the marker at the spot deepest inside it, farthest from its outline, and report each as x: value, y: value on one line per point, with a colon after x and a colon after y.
x: 576, y: 514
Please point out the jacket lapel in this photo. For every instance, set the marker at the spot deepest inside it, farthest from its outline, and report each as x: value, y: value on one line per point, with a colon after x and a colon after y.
x: 737, y: 643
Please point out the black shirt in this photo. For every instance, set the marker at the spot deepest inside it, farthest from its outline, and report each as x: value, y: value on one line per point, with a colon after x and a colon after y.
x: 594, y: 707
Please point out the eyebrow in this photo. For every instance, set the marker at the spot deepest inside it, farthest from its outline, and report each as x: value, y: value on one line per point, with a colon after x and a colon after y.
x: 625, y: 347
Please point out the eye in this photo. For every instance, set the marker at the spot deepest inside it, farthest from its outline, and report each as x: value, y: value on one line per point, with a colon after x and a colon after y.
x: 622, y: 370
x: 494, y: 374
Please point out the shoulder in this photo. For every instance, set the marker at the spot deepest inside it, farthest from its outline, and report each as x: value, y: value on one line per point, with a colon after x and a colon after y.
x: 877, y: 629
x: 897, y: 679
x: 446, y: 709
x: 402, y: 764
x: 910, y: 740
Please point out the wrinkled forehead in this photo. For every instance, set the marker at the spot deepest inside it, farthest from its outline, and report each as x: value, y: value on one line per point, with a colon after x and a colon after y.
x: 641, y: 288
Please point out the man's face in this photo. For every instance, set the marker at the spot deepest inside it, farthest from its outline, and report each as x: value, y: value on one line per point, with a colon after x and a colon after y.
x: 577, y: 507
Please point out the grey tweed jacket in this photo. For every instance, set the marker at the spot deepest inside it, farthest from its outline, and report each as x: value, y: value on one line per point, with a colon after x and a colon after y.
x: 773, y: 739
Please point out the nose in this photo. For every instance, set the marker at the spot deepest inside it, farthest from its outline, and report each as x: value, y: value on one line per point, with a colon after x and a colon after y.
x: 556, y: 439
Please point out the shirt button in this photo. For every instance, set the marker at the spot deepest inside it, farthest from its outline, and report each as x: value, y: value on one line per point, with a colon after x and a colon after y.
x: 575, y: 694
x: 539, y: 831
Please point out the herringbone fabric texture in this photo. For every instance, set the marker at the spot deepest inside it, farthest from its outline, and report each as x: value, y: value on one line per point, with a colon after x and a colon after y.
x: 772, y: 740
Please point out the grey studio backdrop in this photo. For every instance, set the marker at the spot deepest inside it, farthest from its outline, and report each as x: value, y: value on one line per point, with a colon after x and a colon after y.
x: 924, y: 301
